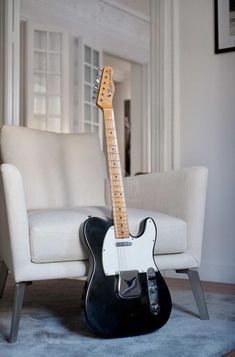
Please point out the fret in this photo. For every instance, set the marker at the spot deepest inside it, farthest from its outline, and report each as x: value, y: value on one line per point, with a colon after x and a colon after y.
x: 113, y: 156
x: 116, y: 181
x: 115, y: 184
x: 116, y: 187
x: 111, y: 141
x: 118, y: 191
x: 118, y: 197
x: 115, y: 172
x: 118, y: 200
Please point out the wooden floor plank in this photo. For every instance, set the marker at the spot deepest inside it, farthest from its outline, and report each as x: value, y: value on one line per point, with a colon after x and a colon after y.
x: 230, y: 354
x: 210, y: 287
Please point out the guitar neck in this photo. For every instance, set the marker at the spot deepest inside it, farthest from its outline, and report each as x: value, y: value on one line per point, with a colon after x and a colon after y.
x: 115, y: 175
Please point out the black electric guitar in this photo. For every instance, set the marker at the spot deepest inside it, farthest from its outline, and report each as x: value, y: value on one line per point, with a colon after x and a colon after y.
x: 125, y: 294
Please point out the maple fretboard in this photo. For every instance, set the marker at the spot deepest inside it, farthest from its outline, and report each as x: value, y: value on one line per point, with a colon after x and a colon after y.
x: 115, y: 175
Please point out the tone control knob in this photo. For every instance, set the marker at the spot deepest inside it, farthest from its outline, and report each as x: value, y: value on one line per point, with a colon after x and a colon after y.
x: 153, y: 289
x: 155, y: 308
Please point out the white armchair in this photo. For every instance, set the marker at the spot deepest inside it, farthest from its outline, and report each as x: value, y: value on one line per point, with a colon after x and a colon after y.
x: 50, y: 183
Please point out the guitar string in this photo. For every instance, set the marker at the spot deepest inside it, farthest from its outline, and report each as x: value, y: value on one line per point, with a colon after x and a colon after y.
x: 109, y: 124
x: 121, y: 250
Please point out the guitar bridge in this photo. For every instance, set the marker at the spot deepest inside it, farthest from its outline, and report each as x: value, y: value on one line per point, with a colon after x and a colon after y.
x: 129, y: 284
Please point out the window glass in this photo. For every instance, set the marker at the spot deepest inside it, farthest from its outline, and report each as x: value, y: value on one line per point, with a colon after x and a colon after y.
x: 55, y: 41
x: 87, y: 54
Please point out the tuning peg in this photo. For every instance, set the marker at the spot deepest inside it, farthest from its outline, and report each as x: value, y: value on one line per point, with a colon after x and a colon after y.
x: 93, y: 98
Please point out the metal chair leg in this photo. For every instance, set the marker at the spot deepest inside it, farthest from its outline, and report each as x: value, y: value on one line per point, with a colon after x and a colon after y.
x: 18, y: 302
x: 197, y: 291
x: 3, y: 277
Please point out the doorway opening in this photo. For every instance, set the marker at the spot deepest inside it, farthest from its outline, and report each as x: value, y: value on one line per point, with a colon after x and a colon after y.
x: 131, y: 110
x: 121, y: 107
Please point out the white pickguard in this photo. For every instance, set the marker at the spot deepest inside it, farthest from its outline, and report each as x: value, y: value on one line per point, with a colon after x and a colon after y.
x: 137, y: 256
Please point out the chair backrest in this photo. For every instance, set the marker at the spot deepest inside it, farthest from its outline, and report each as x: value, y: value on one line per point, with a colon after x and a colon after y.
x: 58, y: 170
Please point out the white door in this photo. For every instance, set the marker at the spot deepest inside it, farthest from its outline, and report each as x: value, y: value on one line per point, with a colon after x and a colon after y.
x: 47, y: 79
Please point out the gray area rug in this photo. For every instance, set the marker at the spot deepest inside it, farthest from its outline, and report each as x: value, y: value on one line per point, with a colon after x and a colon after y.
x: 51, y: 325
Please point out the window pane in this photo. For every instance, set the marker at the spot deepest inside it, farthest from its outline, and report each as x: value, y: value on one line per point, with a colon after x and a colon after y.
x: 87, y: 74
x: 54, y: 105
x: 96, y: 58
x: 55, y: 63
x: 95, y: 73
x: 87, y: 112
x: 39, y: 104
x: 55, y: 41
x: 87, y: 54
x: 87, y: 93
x: 95, y: 115
x: 54, y: 84
x: 87, y: 127
x: 40, y: 40
x: 40, y: 83
x: 96, y: 129
x: 53, y: 124
x: 39, y: 122
x: 40, y: 61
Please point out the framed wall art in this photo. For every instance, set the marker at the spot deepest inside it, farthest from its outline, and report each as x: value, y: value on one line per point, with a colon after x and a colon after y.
x: 224, y: 26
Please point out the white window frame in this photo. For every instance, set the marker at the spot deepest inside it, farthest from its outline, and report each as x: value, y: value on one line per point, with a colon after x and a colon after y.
x: 65, y: 109
x: 81, y: 92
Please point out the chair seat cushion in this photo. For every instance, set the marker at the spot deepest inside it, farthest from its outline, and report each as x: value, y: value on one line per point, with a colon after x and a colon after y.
x: 54, y: 233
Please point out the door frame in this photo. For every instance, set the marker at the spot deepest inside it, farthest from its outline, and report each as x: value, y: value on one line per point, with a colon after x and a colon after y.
x: 10, y: 61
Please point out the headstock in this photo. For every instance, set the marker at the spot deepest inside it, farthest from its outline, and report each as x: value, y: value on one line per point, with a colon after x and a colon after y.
x: 104, y: 88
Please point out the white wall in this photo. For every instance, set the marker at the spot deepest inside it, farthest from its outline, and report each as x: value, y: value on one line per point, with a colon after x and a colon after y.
x: 208, y: 131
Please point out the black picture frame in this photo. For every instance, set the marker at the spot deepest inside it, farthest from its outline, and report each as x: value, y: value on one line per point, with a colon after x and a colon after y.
x: 224, y: 26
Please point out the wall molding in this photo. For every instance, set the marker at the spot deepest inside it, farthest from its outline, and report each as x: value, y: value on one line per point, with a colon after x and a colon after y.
x: 99, y: 22
x: 127, y: 9
x: 164, y: 67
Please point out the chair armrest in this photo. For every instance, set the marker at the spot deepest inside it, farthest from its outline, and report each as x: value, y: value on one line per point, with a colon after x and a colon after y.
x: 14, y: 231
x: 179, y: 193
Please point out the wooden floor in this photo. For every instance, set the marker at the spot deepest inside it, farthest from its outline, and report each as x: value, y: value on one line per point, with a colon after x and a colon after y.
x: 209, y: 287
x: 230, y: 354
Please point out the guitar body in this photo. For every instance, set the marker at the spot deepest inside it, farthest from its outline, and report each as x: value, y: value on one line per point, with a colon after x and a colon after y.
x: 129, y: 302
